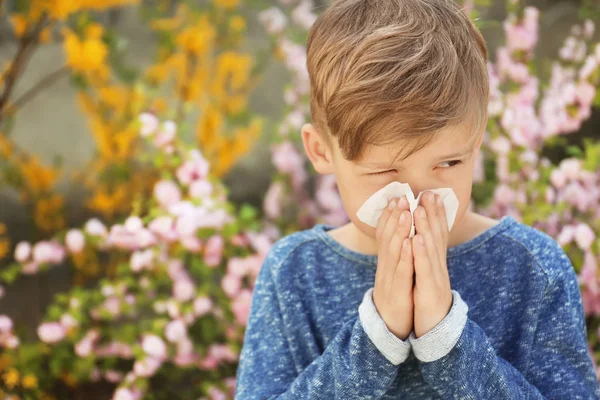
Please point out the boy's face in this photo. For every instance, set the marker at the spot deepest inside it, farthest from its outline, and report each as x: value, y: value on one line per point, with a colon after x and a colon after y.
x: 447, y: 162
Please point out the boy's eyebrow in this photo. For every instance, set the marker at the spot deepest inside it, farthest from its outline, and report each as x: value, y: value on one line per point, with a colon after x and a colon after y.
x: 446, y: 157
x: 456, y: 154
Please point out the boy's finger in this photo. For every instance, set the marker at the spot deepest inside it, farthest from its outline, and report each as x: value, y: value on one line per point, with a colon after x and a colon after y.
x: 405, y: 270
x: 423, y: 267
x: 381, y: 222
x: 390, y: 226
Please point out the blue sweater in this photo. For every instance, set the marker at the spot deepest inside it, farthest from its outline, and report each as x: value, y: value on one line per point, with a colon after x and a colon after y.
x: 515, y: 330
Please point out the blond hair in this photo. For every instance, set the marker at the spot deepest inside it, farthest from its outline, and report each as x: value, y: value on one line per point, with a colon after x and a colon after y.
x: 389, y: 70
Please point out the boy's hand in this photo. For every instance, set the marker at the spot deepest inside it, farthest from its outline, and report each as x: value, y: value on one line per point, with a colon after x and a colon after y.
x: 393, y: 290
x: 432, y: 293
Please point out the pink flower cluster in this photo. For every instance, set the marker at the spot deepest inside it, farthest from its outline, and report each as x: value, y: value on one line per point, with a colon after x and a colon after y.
x: 42, y: 253
x: 7, y: 337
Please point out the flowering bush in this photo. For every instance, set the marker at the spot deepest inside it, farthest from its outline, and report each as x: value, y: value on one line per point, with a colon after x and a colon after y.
x: 170, y: 317
x: 199, y: 65
x: 533, y: 105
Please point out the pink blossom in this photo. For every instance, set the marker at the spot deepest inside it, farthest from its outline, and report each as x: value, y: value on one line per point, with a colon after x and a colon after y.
x: 273, y: 19
x: 237, y: 266
x: 147, y: 367
x: 288, y: 161
x: 143, y: 259
x: 134, y: 224
x: 327, y: 194
x: 216, y: 394
x: 94, y: 227
x: 260, y: 242
x: 75, y: 240
x: 571, y: 167
x: 164, y: 227
x: 176, y: 270
x: 191, y: 244
x: 214, y: 219
x: 273, y: 198
x: 231, y: 285
x: 566, y: 235
x: 194, y: 169
x: 173, y: 308
x: 149, y: 124
x: 222, y: 352
x: 241, y: 306
x: 577, y: 196
x: 113, y: 376
x: 184, y: 290
x: 303, y: 16
x: 30, y: 268
x: 558, y: 179
x: 202, y: 305
x: 175, y: 331
x: 590, y: 65
x: 586, y: 93
x: 213, y: 251
x: 500, y: 145
x: 23, y: 252
x: 51, y: 332
x: 504, y: 195
x: 68, y: 321
x: 200, y: 189
x: 584, y: 236
x: 123, y: 394
x: 208, y: 363
x: 167, y: 193
x: 166, y: 134
x: 84, y: 347
x: 6, y: 324
x: 113, y: 306
x: 48, y: 252
x: 12, y: 342
x: 154, y: 346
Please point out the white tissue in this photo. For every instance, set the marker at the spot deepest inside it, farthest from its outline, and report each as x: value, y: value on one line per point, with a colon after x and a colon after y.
x: 372, y: 209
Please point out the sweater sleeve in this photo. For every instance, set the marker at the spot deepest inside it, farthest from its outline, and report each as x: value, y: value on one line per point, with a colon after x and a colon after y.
x: 351, y: 366
x: 560, y: 366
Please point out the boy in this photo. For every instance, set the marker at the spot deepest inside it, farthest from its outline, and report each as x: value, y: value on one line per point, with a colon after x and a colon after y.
x: 489, y: 310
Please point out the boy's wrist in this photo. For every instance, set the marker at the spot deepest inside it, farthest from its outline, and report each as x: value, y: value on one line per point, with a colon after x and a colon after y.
x: 391, y: 346
x: 439, y: 341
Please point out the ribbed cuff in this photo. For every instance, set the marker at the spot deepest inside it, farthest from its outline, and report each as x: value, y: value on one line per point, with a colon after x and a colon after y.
x: 439, y: 341
x: 392, y: 347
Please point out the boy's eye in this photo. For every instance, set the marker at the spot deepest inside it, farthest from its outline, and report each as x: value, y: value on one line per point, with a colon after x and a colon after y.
x: 383, y: 172
x: 451, y: 163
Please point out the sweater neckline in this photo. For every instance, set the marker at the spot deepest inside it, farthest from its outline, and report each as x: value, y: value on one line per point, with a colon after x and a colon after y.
x: 321, y: 232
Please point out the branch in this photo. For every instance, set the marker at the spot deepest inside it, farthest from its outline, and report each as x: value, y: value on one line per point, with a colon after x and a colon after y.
x: 38, y: 87
x: 19, y: 62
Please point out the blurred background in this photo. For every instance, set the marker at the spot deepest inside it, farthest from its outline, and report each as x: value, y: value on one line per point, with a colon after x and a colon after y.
x: 150, y: 155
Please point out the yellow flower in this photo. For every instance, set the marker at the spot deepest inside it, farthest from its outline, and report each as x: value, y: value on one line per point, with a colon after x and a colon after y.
x: 59, y: 9
x: 197, y: 39
x: 116, y: 97
x: 4, y: 248
x: 233, y: 68
x: 158, y: 73
x: 6, y: 148
x: 209, y: 128
x: 37, y: 177
x: 29, y: 382
x: 69, y: 379
x: 20, y: 23
x: 11, y: 378
x: 237, y: 23
x: 227, y: 4
x: 47, y: 213
x: 87, y: 55
x: 46, y: 35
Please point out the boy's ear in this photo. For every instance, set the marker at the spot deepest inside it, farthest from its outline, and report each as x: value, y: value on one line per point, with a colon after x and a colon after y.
x: 317, y: 149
